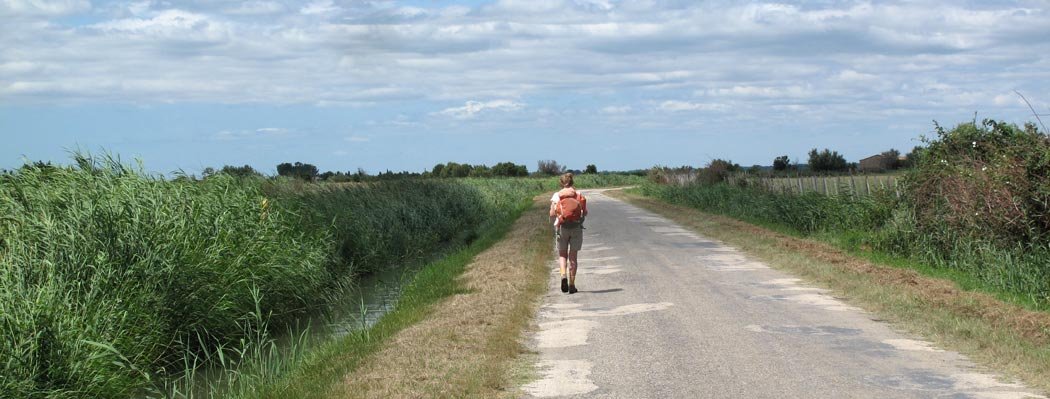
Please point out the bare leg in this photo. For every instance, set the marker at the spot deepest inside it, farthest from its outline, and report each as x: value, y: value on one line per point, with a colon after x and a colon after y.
x: 562, y: 255
x: 573, y: 263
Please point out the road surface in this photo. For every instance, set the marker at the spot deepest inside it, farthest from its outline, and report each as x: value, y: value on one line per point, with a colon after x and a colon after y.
x: 665, y: 313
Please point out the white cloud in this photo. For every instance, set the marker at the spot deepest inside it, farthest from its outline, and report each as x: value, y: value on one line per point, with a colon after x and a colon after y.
x: 612, y: 109
x: 18, y: 67
x: 473, y: 108
x: 256, y: 8
x: 260, y: 133
x: 321, y: 7
x: 44, y: 7
x: 357, y: 139
x: 749, y: 91
x: 675, y: 106
x: 850, y: 75
x: 177, y: 24
x: 139, y: 8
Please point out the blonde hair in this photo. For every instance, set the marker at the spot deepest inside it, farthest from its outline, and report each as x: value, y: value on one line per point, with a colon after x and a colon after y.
x: 566, y: 179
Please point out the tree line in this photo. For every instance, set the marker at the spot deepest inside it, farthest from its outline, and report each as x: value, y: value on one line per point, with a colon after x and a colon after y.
x: 310, y: 172
x: 826, y: 160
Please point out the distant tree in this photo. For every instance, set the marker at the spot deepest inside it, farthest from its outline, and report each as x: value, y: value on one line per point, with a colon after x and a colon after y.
x: 438, y: 170
x: 893, y: 158
x: 549, y: 167
x: 723, y: 165
x: 240, y: 171
x: 827, y: 161
x: 360, y: 176
x: 298, y: 170
x: 781, y: 163
x: 912, y: 158
x: 509, y: 169
x: 453, y: 169
x: 480, y: 171
x: 591, y: 170
x: 340, y: 177
x: 207, y: 172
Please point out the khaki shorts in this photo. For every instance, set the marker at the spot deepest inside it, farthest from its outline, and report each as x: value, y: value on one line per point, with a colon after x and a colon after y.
x: 570, y: 238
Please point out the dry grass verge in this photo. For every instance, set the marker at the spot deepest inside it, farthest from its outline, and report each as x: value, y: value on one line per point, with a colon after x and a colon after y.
x: 999, y: 335
x: 466, y: 346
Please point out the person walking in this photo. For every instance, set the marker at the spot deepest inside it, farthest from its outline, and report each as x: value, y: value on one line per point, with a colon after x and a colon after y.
x: 568, y: 210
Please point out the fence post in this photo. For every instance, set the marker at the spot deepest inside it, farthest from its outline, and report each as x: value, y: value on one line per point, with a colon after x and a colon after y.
x: 852, y: 185
x: 825, y: 179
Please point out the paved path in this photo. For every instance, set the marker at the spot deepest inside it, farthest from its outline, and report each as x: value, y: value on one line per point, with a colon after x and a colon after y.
x: 665, y: 313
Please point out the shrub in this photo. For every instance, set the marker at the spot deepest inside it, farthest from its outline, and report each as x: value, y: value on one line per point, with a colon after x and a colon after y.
x: 987, y: 182
x: 717, y: 171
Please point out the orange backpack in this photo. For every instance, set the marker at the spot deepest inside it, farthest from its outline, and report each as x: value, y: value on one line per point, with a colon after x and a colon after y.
x: 572, y: 206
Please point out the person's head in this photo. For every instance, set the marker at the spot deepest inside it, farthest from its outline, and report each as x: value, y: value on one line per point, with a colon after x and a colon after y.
x: 566, y: 179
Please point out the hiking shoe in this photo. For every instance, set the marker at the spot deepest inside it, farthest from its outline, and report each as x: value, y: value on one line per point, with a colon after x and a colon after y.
x: 564, y: 284
x: 572, y: 289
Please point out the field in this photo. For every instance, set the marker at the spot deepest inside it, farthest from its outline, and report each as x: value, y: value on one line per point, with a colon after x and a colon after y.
x: 114, y: 281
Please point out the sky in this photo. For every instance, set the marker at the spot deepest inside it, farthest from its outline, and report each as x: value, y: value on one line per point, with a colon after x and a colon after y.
x: 384, y: 85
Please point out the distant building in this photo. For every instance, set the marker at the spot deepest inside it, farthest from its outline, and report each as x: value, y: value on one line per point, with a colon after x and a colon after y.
x: 880, y: 163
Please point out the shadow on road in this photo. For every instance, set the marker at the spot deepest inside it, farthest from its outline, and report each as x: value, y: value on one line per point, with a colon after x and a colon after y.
x: 602, y: 291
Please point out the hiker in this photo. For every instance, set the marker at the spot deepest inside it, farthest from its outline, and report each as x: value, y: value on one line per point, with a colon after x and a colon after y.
x: 568, y: 209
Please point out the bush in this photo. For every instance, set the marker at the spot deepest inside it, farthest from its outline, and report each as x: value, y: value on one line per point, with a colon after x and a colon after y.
x: 717, y: 171
x: 986, y: 183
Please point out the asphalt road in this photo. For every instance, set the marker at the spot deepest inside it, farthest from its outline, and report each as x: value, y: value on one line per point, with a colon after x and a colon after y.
x: 665, y: 313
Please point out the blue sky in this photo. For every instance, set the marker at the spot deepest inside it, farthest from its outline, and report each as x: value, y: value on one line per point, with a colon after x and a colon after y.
x: 404, y: 85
